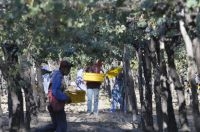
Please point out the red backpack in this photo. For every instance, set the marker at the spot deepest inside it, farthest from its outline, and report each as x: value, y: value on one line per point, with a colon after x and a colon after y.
x: 55, y: 104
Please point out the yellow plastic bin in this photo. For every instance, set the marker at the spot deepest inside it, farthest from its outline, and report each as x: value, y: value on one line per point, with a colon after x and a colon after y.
x: 96, y: 77
x: 77, y: 96
x: 114, y: 72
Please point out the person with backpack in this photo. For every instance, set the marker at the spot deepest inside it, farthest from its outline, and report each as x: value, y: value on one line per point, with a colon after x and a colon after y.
x: 57, y: 100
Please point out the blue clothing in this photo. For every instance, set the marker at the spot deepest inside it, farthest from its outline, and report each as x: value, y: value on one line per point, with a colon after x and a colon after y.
x: 59, y: 123
x: 56, y: 81
x: 116, y: 95
x: 90, y: 93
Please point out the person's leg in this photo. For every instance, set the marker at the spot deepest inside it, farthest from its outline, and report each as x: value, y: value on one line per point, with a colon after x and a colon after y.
x: 49, y: 127
x: 113, y: 105
x: 53, y: 115
x: 122, y: 102
x: 96, y: 100
x: 89, y: 100
x: 114, y: 100
x: 61, y: 121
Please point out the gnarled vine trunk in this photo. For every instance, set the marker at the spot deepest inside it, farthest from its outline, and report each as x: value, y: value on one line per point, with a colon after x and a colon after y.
x: 15, y: 100
x: 148, y: 89
x: 192, y: 70
x: 169, y: 122
x: 31, y: 109
x: 129, y: 85
x: 169, y: 47
x: 141, y: 85
x: 1, y: 92
x: 154, y: 55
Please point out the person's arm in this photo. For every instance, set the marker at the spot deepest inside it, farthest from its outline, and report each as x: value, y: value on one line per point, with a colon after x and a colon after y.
x: 56, y: 88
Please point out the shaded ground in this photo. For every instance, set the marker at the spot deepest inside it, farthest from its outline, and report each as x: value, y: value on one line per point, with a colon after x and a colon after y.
x: 104, y: 122
x: 78, y: 121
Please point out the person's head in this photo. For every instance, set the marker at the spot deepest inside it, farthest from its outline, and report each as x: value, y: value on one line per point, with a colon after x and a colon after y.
x: 99, y: 63
x: 65, y: 67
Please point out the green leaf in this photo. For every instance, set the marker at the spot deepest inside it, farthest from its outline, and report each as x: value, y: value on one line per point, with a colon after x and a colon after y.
x: 142, y: 24
x: 192, y: 3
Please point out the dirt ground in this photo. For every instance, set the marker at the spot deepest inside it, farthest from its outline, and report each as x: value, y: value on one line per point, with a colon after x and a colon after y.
x: 78, y: 121
x: 106, y: 121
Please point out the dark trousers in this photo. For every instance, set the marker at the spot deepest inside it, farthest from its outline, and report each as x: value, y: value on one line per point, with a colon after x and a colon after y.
x: 59, y: 122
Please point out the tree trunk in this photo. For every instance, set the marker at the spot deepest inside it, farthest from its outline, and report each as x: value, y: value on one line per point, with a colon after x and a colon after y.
x: 148, y: 90
x: 154, y: 52
x: 40, y: 90
x: 31, y: 109
x: 1, y: 111
x: 33, y: 81
x: 169, y: 122
x: 15, y: 102
x: 1, y: 92
x: 196, y: 50
x: 141, y: 86
x: 192, y: 69
x: 129, y: 84
x: 178, y: 87
x: 11, y: 74
x: 132, y: 98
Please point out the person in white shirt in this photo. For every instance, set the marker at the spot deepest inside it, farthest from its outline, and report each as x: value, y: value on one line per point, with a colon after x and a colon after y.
x: 46, y: 76
x: 79, y: 80
x: 197, y: 79
x: 46, y: 82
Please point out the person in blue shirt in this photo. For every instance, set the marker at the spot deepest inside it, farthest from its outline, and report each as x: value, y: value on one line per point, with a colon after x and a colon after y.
x: 59, y: 122
x: 117, y: 93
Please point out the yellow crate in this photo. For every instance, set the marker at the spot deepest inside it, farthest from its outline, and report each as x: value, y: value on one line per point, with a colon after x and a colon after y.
x: 76, y: 96
x: 114, y: 72
x: 96, y: 77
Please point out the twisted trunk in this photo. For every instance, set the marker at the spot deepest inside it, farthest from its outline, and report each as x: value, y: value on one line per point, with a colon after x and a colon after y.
x: 192, y: 69
x: 15, y: 101
x: 1, y: 92
x: 40, y: 90
x: 154, y: 52
x: 25, y: 73
x: 178, y: 87
x: 148, y: 90
x: 129, y: 85
x: 141, y: 86
x: 169, y: 122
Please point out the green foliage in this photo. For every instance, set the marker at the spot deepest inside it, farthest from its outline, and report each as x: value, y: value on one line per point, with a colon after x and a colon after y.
x: 198, y: 23
x: 180, y: 58
x: 142, y: 24
x: 119, y: 2
x: 193, y: 3
x: 87, y: 28
x: 147, y: 4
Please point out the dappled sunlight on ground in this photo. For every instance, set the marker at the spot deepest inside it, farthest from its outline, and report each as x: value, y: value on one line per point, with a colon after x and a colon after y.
x: 106, y: 121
